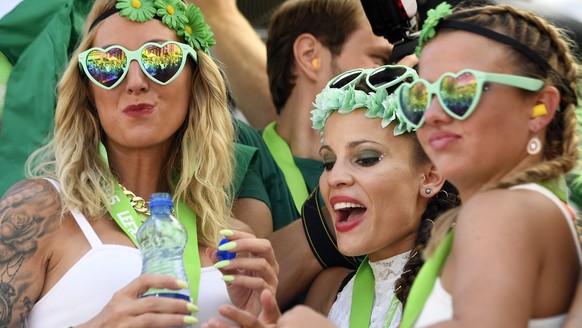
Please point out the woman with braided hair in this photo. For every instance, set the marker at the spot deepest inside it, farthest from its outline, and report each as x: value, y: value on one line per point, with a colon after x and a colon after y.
x: 383, y: 194
x: 494, y: 107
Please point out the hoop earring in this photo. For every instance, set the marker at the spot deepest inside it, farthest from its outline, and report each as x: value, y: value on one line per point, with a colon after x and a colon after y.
x: 534, y: 146
x: 427, y: 191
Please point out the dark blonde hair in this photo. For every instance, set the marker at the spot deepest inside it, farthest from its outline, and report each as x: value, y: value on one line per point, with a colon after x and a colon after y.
x: 554, y: 47
x: 202, y: 155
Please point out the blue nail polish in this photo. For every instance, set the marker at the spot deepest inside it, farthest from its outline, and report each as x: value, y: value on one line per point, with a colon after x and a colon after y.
x: 225, y: 255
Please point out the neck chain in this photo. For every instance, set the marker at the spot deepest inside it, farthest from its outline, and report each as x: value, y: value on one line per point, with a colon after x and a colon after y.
x: 139, y: 204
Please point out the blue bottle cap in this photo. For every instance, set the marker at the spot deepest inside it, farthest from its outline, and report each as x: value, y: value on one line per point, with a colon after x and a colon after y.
x: 225, y: 255
x: 161, y: 199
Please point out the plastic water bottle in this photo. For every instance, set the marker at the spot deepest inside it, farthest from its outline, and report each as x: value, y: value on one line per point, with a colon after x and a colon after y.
x: 161, y: 240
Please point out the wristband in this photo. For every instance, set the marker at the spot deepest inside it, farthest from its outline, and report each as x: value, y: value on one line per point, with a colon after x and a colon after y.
x: 319, y: 237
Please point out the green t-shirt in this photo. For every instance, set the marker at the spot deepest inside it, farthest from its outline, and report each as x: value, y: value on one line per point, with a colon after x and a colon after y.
x: 265, y: 179
x: 311, y: 170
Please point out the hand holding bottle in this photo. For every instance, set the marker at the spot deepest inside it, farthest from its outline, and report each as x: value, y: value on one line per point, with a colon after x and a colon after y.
x: 128, y: 309
x: 252, y: 271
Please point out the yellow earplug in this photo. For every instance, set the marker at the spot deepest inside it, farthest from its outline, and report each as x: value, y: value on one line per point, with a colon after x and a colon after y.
x: 539, y: 110
x: 315, y: 63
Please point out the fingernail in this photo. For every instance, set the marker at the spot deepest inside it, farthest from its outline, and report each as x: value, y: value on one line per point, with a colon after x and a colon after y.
x: 182, y: 283
x: 226, y: 232
x: 190, y: 319
x: 228, y: 246
x: 221, y: 264
x: 192, y: 307
x: 227, y: 278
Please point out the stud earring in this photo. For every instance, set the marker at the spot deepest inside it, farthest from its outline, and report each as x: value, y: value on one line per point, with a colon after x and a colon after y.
x: 534, y: 146
x: 427, y: 191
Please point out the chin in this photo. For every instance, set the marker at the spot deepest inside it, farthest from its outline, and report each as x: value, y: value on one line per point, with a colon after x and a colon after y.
x: 351, y: 249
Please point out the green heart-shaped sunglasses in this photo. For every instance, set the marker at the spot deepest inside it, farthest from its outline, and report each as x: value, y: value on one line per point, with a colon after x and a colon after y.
x: 457, y: 93
x: 162, y: 63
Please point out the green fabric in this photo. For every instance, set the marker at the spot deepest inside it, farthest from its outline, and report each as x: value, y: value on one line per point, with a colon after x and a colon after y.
x: 37, y: 37
x: 311, y: 170
x: 424, y: 282
x: 270, y: 178
x: 5, y: 68
x: 362, y: 296
x: 557, y: 187
x: 244, y: 156
x: 282, y: 155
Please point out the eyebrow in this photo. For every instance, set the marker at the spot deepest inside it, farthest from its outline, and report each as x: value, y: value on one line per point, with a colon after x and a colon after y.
x: 351, y: 145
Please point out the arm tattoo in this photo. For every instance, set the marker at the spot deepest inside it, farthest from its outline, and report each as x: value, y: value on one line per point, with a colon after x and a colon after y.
x: 26, y: 214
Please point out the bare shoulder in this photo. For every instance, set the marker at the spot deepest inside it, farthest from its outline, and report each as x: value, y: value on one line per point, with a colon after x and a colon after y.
x: 508, y: 218
x: 29, y: 212
x: 519, y: 205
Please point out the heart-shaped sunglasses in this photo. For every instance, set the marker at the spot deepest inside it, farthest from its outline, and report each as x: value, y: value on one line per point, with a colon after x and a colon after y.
x: 162, y: 63
x: 457, y: 93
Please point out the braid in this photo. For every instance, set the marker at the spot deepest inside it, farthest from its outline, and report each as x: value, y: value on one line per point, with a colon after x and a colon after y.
x: 553, y: 45
x: 444, y: 200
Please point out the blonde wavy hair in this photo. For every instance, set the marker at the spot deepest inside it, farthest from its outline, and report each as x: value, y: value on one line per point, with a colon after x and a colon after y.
x: 202, y: 156
x: 553, y: 45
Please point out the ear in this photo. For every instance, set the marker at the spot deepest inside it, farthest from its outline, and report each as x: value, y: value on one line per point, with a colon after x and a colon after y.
x: 431, y: 180
x: 548, y: 97
x: 306, y: 50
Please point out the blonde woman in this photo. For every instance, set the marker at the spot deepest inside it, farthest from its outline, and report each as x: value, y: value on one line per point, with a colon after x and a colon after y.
x: 141, y: 109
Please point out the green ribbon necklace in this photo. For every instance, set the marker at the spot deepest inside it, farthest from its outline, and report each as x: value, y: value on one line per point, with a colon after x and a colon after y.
x: 425, y: 280
x: 284, y: 159
x: 363, y: 298
x: 129, y: 221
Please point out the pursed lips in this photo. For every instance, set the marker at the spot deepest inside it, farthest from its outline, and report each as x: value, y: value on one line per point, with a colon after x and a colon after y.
x: 138, y: 109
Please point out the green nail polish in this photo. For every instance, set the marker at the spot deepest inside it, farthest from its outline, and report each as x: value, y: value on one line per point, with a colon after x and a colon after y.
x: 228, y: 246
x: 222, y: 264
x: 192, y: 307
x: 182, y: 283
x: 190, y: 319
x: 227, y: 278
x: 226, y: 232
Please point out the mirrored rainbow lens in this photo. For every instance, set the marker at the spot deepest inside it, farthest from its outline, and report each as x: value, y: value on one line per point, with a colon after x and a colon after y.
x: 458, y: 94
x: 106, y: 67
x: 413, y: 101
x: 162, y: 63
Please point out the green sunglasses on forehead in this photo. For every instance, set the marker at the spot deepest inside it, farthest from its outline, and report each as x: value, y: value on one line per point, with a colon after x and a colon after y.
x: 162, y: 63
x: 458, y: 94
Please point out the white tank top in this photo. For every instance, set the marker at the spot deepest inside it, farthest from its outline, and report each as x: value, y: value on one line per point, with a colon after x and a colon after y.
x: 87, y: 287
x: 439, y: 305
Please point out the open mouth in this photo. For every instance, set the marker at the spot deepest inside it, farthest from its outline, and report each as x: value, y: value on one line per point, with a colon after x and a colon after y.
x: 348, y: 211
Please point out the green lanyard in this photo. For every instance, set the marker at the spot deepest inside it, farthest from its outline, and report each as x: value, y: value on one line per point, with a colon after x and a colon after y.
x: 363, y: 299
x: 284, y: 159
x: 129, y: 220
x: 424, y: 282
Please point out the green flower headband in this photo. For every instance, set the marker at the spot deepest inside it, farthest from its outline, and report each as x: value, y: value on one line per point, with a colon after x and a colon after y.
x: 378, y: 104
x: 186, y: 20
x: 433, y: 18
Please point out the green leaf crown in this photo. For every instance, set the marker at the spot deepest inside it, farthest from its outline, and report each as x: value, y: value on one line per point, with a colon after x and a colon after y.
x: 186, y: 20
x: 378, y: 104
